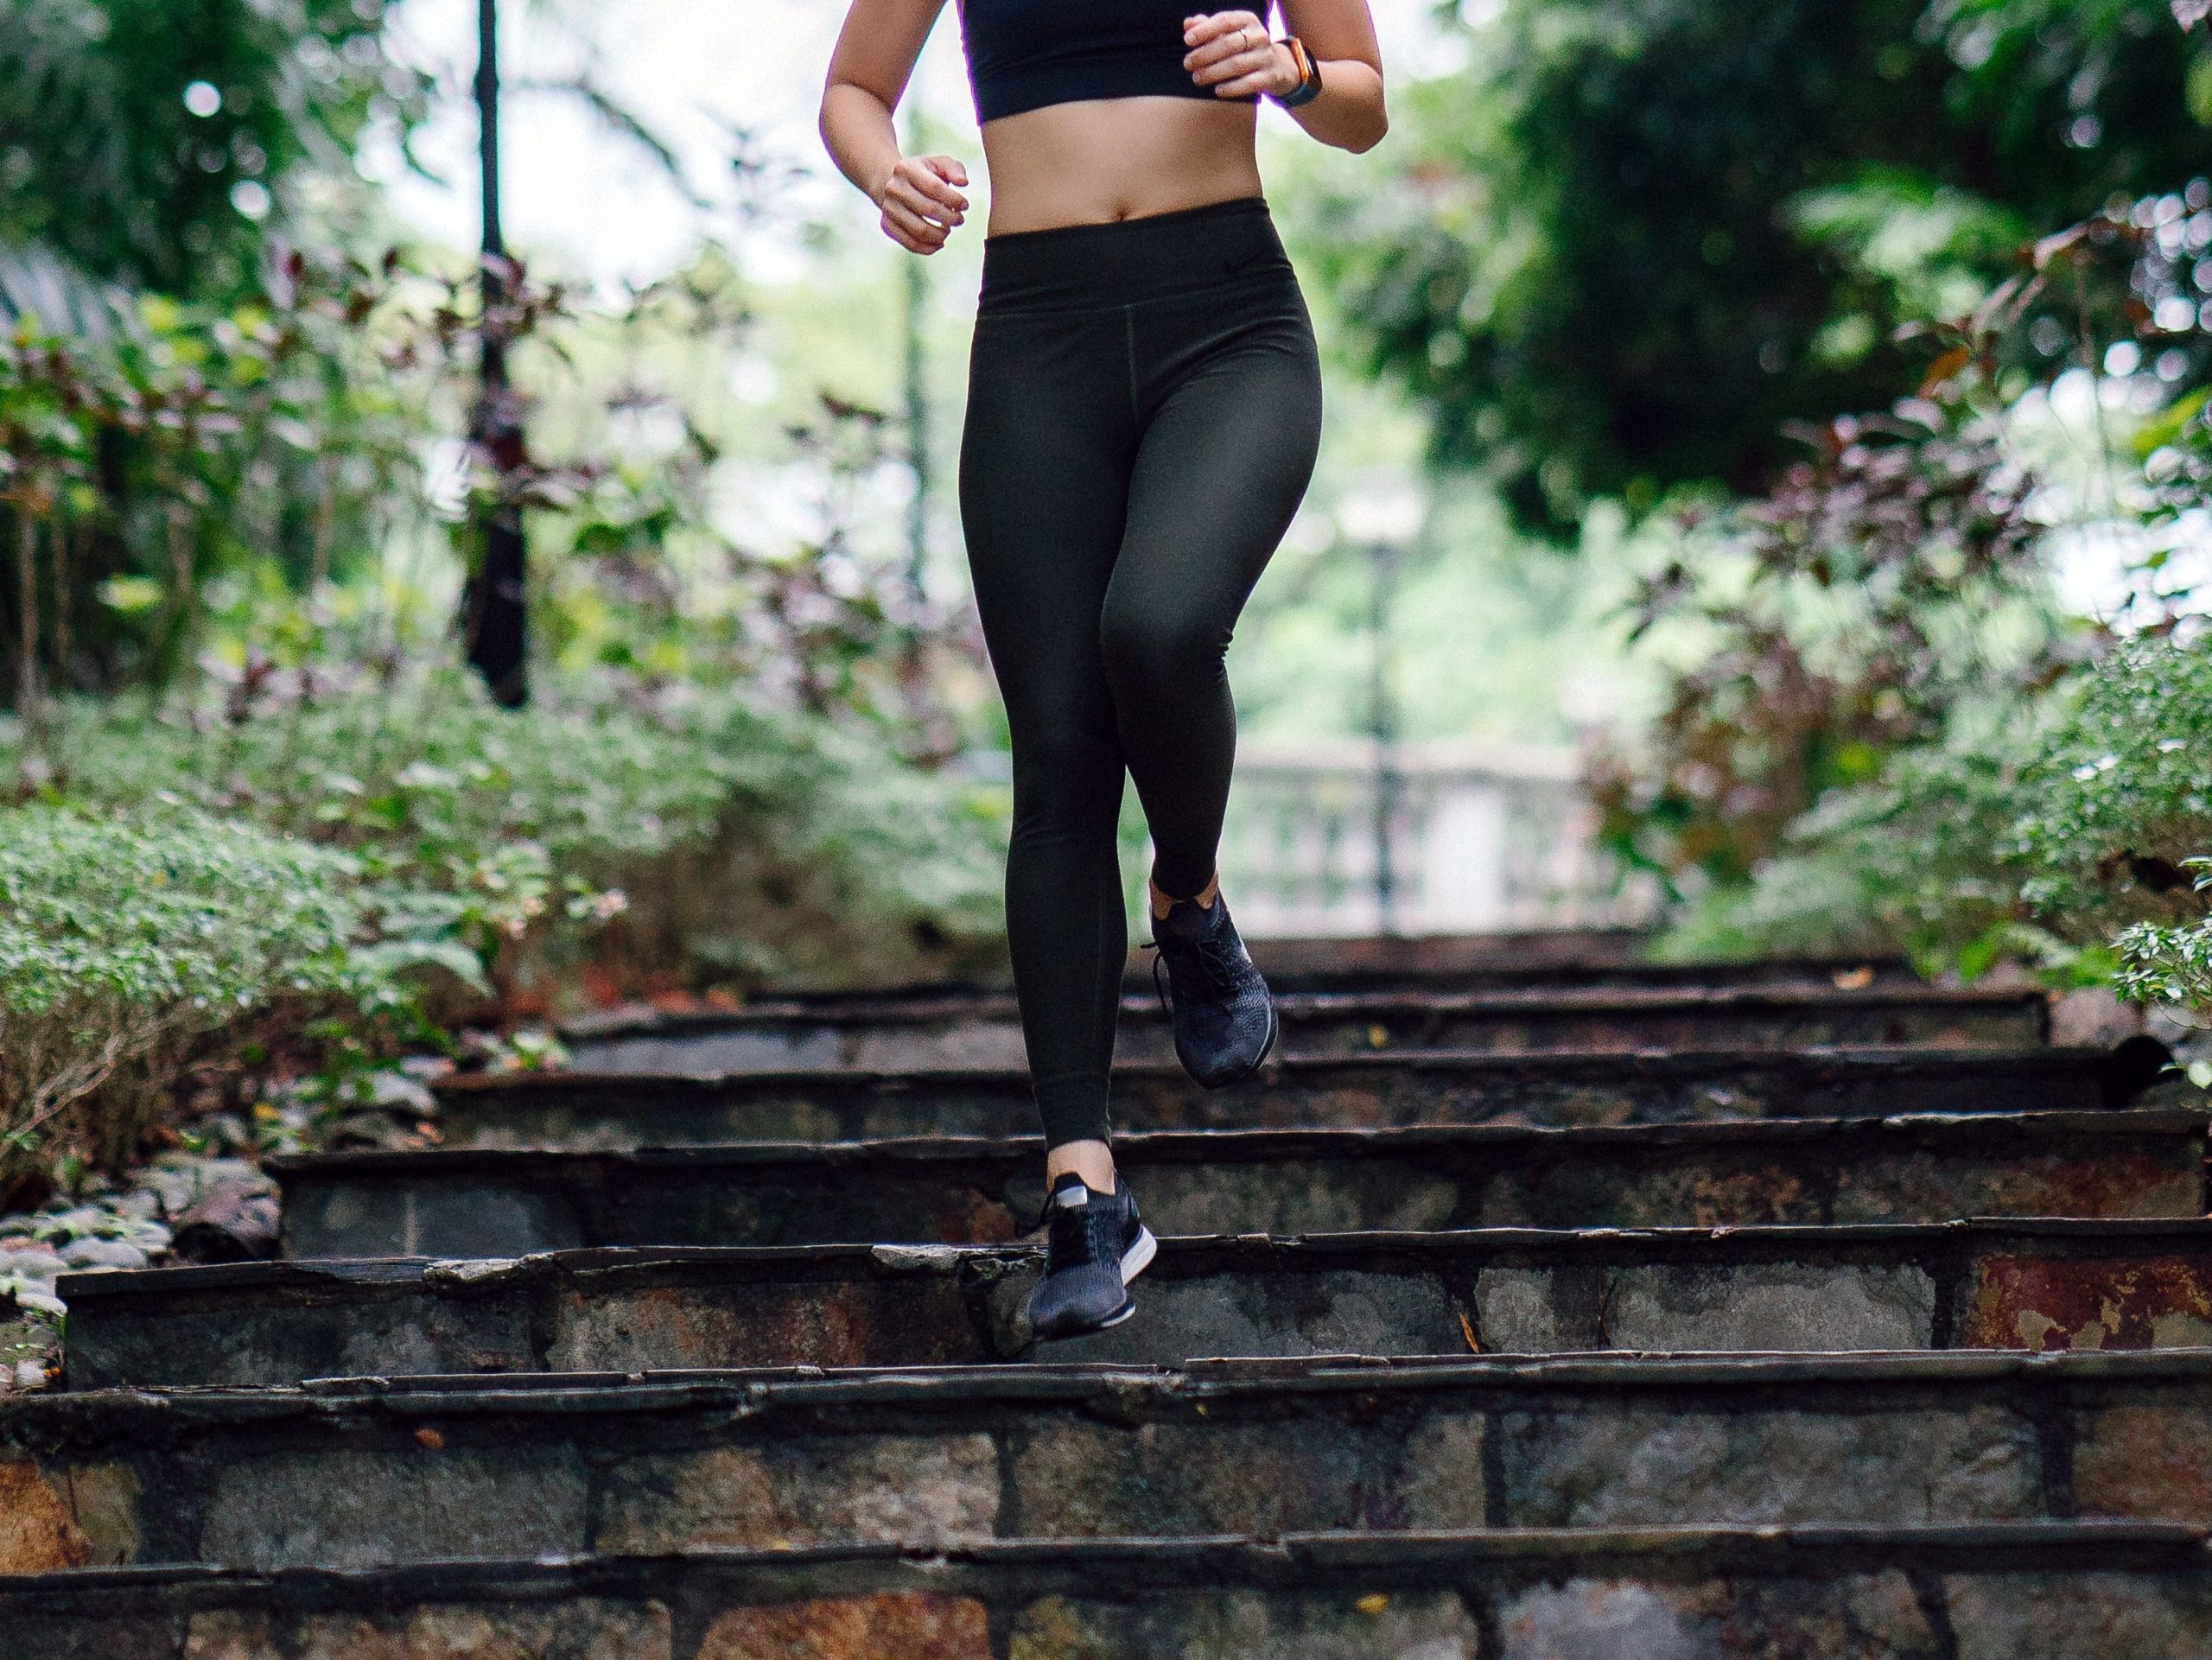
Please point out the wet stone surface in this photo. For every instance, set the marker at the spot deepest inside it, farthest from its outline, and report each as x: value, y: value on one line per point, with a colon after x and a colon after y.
x: 1222, y: 1182
x: 1352, y: 1611
x: 354, y: 1508
x: 1803, y: 1307
x: 585, y: 1630
x: 582, y: 1112
x: 1871, y: 1618
x: 1637, y: 1467
x: 920, y: 1489
x: 2048, y: 1618
x: 1345, y: 1627
x: 2140, y: 1301
x: 894, y: 1626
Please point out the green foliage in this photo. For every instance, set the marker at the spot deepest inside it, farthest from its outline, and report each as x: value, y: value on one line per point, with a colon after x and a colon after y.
x: 2116, y: 807
x: 275, y: 437
x: 313, y: 860
x: 506, y: 830
x: 102, y: 161
x: 126, y: 938
x: 2073, y: 832
x: 1897, y: 583
x: 1883, y: 585
x: 1627, y: 244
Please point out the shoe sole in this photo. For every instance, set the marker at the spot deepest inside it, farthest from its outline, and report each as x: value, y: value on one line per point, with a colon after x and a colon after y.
x: 1129, y: 1309
x: 1274, y: 1030
x: 1138, y: 1257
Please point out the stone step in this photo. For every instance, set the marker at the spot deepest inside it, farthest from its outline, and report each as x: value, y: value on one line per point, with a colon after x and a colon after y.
x: 1543, y: 956
x: 2036, y: 1284
x: 952, y: 1191
x: 2047, y: 1591
x: 359, y: 1474
x: 1992, y: 1592
x: 925, y: 1031
x: 585, y: 1111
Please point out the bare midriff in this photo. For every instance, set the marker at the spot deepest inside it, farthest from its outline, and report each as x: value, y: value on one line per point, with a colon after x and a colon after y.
x: 1115, y: 158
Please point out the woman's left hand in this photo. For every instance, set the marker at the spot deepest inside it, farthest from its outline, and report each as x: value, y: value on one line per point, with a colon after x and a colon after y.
x: 1233, y: 52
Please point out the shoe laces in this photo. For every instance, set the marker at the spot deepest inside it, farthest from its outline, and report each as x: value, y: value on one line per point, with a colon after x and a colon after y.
x: 1209, y: 958
x: 1079, y: 1235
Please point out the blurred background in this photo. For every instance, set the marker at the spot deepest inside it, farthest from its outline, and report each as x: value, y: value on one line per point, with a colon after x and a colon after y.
x: 1762, y: 503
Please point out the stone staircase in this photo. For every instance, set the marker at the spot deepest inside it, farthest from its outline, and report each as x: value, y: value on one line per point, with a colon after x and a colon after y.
x: 1531, y: 1306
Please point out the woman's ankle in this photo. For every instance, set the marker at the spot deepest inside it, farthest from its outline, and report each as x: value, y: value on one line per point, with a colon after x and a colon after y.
x: 1092, y: 1160
x: 1204, y: 898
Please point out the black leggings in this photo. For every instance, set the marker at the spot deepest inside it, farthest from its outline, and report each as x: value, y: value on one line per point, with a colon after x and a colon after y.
x: 1144, y: 407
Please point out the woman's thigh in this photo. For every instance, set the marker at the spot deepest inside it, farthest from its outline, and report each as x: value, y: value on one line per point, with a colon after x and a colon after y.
x: 1232, y: 432
x: 1046, y: 447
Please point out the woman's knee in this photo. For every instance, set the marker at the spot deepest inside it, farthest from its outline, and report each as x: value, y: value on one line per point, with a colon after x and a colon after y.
x: 1159, y: 647
x: 1067, y: 775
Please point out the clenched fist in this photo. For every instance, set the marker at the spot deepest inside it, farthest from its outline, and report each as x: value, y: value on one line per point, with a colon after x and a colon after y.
x: 921, y: 201
x: 1233, y: 52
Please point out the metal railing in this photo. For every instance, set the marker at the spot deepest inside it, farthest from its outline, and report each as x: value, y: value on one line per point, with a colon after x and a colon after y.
x: 1480, y: 838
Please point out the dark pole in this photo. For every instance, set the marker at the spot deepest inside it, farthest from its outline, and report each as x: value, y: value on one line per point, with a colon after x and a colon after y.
x: 1383, y: 727
x: 495, y: 614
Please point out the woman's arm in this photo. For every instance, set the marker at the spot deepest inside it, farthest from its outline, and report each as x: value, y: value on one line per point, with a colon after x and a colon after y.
x: 1338, y: 35
x: 920, y: 195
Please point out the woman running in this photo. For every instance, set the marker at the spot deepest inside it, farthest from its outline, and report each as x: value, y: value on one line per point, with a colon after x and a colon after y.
x: 1144, y: 406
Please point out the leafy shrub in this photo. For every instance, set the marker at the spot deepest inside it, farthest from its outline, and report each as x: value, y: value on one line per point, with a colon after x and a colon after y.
x: 2117, y: 819
x: 307, y: 850
x: 2076, y: 832
x: 125, y: 940
x: 518, y: 833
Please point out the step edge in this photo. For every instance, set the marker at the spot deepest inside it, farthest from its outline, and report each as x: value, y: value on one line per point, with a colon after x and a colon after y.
x: 1251, y: 1144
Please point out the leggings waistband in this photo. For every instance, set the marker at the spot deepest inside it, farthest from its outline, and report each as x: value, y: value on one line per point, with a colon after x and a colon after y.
x: 1119, y: 262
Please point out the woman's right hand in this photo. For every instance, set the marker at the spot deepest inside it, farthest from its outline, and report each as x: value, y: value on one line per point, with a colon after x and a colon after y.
x: 921, y: 201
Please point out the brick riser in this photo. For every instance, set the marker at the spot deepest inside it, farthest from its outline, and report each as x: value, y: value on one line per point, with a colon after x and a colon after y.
x: 585, y: 1111
x: 985, y: 1032
x: 510, y: 1204
x: 2056, y: 1593
x: 350, y: 1479
x: 1998, y: 1285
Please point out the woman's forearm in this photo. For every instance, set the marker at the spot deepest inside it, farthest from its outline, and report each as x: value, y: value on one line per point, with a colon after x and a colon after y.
x: 1348, y: 113
x: 861, y: 137
x: 1232, y: 53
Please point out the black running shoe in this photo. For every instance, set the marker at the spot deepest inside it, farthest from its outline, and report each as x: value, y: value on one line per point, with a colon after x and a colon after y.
x: 1098, y: 1245
x: 1224, y: 1018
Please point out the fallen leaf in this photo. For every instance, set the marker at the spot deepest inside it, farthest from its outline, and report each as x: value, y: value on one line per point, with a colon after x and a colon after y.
x: 1467, y: 1331
x: 1853, y: 979
x: 1378, y: 1035
x: 1372, y: 1605
x: 430, y: 1438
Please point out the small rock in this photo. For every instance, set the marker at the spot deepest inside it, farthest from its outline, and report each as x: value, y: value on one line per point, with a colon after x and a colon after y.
x: 235, y: 1221
x: 30, y: 1375
x: 397, y: 1089
x: 37, y: 1263
x: 2092, y: 1018
x: 468, y: 1270
x: 917, y: 1259
x: 181, y: 1180
x: 85, y: 1254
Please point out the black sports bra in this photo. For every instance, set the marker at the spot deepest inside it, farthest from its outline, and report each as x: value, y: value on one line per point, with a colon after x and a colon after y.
x: 1023, y: 55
